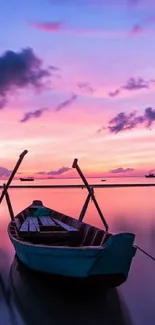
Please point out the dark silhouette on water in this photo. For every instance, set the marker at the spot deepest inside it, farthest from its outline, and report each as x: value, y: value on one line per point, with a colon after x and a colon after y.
x: 46, y: 300
x: 26, y: 179
x: 150, y: 175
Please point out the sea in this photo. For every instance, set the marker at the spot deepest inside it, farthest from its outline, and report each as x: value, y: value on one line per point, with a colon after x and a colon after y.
x: 30, y: 299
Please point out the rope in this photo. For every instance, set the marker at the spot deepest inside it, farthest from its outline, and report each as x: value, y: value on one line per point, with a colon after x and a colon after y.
x: 153, y: 258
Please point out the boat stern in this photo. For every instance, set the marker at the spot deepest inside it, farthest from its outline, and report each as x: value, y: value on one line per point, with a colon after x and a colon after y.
x: 116, y: 256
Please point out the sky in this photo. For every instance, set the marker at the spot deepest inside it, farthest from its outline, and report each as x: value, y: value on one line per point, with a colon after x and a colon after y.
x: 77, y: 80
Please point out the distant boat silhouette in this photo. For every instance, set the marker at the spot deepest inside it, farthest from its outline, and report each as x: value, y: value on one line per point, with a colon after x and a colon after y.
x: 24, y: 179
x: 150, y: 175
x: 103, y: 180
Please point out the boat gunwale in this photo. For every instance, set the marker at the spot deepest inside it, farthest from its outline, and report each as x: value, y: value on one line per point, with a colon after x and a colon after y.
x: 28, y: 243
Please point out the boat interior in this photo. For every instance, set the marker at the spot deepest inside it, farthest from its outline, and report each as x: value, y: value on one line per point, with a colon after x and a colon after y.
x: 41, y: 225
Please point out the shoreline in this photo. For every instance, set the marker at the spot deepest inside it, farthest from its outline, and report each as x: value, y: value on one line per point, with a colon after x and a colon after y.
x: 81, y: 186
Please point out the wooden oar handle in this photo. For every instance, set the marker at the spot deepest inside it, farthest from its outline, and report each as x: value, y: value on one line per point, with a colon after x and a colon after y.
x: 23, y: 154
x: 13, y: 174
x: 75, y: 163
x: 91, y: 192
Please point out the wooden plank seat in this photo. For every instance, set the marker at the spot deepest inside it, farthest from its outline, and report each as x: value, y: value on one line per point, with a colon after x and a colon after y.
x: 64, y: 225
x: 47, y: 221
x: 30, y: 224
x: 45, y: 230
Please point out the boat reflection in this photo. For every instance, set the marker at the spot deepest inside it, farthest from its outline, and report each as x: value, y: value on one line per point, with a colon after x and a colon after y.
x: 43, y: 299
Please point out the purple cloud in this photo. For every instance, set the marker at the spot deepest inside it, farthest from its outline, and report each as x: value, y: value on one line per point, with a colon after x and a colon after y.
x: 35, y: 114
x: 19, y: 70
x: 136, y: 30
x: 53, y: 26
x: 66, y: 103
x: 60, y: 171
x: 114, y: 93
x: 121, y: 170
x: 101, y: 129
x: 84, y: 86
x: 53, y: 68
x: 132, y: 84
x: 140, y: 27
x: 5, y: 172
x: 149, y: 116
x: 123, y: 121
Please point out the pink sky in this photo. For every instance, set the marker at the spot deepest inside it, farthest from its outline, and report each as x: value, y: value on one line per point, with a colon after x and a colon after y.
x: 81, y: 74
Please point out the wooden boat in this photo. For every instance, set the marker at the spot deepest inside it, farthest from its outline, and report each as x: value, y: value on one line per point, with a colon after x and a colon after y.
x: 26, y: 179
x: 48, y: 241
x: 39, y: 299
x: 150, y: 175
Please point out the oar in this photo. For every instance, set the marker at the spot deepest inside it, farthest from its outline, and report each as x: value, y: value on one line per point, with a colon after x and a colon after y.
x: 75, y: 165
x: 13, y: 174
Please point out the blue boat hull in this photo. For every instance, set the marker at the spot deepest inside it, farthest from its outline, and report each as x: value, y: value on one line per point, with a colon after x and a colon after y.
x: 113, y: 258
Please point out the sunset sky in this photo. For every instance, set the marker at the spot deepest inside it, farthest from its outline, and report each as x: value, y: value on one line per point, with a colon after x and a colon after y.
x: 77, y: 80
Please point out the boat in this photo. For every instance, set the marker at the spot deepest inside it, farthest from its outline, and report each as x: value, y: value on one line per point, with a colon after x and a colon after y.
x: 51, y: 242
x: 150, y: 175
x: 25, y: 179
x: 103, y: 180
x: 39, y: 298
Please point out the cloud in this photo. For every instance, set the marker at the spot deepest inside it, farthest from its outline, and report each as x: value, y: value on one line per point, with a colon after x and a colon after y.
x: 121, y: 170
x: 5, y: 172
x: 53, y: 68
x: 47, y: 26
x: 114, y: 93
x: 123, y: 121
x: 149, y: 116
x: 136, y: 30
x: 35, y: 114
x: 139, y: 28
x: 19, y: 70
x: 85, y: 87
x: 132, y: 84
x: 101, y: 129
x: 60, y: 171
x: 61, y: 27
x: 66, y: 103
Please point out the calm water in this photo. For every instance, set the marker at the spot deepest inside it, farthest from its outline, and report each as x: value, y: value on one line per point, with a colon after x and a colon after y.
x: 26, y: 300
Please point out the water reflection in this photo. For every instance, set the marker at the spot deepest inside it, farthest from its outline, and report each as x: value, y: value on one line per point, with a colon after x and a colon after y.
x: 125, y: 209
x: 46, y: 299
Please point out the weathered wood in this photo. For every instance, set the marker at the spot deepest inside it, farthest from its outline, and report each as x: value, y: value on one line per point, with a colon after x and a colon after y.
x: 36, y: 223
x: 17, y: 223
x: 25, y: 225
x: 13, y: 174
x: 31, y: 224
x: 87, y: 228
x: 47, y: 221
x: 89, y: 188
x: 64, y: 225
x: 9, y: 203
x: 84, y: 209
